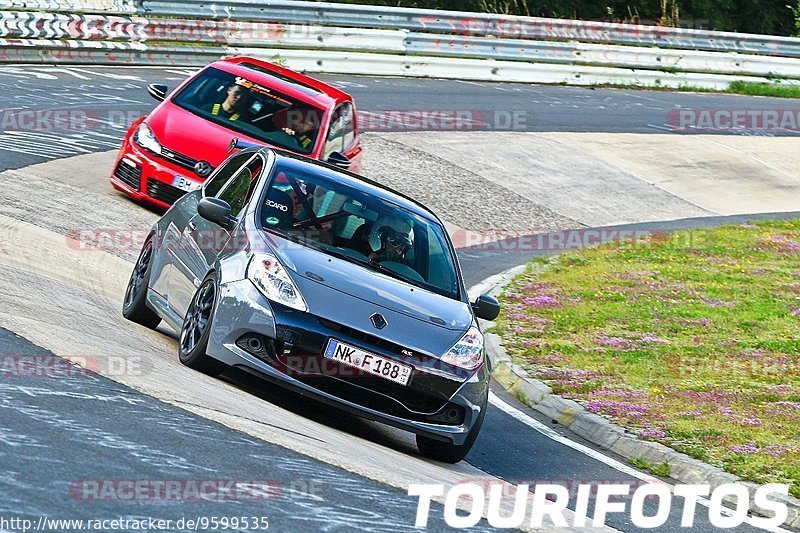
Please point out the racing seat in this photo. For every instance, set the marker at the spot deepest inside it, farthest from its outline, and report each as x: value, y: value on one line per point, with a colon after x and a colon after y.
x: 359, y: 241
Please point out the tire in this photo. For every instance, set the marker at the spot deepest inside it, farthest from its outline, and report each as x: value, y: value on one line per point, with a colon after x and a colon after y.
x: 196, y: 329
x: 447, y: 452
x: 134, y: 306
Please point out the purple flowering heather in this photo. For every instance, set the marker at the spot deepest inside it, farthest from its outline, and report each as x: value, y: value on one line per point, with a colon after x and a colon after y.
x: 715, y: 302
x: 649, y: 338
x: 776, y: 450
x: 652, y: 433
x: 542, y: 301
x: 569, y: 374
x: 746, y: 421
x: 745, y: 449
x: 620, y: 409
x: 785, y: 243
x: 620, y: 393
x: 618, y: 343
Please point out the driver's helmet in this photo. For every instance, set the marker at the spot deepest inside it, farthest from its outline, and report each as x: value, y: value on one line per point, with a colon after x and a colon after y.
x: 392, y: 230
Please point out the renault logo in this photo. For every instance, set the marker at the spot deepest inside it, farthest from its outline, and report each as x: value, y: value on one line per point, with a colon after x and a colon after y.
x: 378, y: 321
x: 203, y: 168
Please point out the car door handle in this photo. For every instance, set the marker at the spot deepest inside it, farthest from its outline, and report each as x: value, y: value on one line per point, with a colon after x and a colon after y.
x: 192, y: 226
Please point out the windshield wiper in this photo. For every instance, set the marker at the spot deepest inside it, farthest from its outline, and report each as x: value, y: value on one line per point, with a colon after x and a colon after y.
x: 392, y: 274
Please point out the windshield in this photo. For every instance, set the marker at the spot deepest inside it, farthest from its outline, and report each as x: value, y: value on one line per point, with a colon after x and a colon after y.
x: 260, y: 112
x: 355, y: 226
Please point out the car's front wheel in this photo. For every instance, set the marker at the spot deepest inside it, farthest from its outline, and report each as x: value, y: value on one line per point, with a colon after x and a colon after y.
x: 134, y: 307
x: 197, y: 328
x: 447, y: 452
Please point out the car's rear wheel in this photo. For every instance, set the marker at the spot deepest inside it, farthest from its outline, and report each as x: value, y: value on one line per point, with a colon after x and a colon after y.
x: 134, y: 306
x: 197, y: 328
x: 446, y: 451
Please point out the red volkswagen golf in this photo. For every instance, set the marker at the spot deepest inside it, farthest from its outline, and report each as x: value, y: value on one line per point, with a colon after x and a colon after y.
x: 175, y: 148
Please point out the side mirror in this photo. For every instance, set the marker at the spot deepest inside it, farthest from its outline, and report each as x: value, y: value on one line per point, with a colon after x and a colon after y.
x: 340, y: 160
x: 486, y: 307
x: 237, y: 143
x: 217, y: 211
x: 158, y: 91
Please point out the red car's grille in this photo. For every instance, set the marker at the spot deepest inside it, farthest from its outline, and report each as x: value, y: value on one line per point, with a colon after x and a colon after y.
x: 131, y: 176
x: 163, y: 191
x: 179, y: 159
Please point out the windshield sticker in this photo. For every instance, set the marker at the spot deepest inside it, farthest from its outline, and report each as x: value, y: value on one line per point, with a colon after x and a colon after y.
x: 272, y: 221
x: 276, y: 205
x: 247, y: 84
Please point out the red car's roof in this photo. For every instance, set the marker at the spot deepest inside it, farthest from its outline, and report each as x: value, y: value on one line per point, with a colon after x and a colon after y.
x: 290, y: 82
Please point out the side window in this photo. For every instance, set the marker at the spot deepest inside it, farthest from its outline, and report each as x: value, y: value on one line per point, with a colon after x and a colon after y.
x: 223, y: 174
x: 342, y: 130
x: 440, y: 271
x: 349, y: 119
x: 239, y: 189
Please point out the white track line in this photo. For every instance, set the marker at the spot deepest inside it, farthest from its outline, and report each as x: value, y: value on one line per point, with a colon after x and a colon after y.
x: 594, y: 454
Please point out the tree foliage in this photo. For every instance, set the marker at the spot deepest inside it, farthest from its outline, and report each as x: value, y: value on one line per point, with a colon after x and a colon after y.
x: 748, y: 16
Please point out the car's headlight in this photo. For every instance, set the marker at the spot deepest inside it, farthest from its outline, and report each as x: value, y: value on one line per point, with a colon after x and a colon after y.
x: 269, y: 276
x: 145, y: 137
x: 468, y: 352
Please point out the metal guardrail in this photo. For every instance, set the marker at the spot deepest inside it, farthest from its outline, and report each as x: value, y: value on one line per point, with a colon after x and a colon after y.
x: 406, y: 40
x: 343, y: 62
x: 428, y: 20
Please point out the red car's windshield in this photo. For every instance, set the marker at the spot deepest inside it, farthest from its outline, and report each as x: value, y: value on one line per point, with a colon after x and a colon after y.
x: 242, y: 105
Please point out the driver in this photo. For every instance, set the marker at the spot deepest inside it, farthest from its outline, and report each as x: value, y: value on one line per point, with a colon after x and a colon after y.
x: 391, y: 239
x: 229, y: 108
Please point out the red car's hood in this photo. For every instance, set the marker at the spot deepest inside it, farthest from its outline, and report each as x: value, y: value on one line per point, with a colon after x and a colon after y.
x: 192, y: 136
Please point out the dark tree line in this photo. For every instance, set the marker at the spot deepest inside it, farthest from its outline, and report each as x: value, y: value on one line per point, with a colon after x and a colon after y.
x: 748, y: 16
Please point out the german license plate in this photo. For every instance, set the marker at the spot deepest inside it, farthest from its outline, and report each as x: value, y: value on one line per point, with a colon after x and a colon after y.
x: 184, y: 184
x: 368, y: 362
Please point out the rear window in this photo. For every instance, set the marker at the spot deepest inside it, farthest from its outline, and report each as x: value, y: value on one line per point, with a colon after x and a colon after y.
x: 261, y: 112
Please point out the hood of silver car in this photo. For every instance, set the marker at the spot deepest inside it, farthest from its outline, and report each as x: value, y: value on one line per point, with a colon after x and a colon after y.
x: 350, y: 294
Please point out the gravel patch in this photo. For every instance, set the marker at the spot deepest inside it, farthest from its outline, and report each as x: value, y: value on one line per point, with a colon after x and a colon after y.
x: 453, y: 192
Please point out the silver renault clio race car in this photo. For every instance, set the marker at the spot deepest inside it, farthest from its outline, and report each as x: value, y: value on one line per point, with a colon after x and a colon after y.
x: 327, y: 283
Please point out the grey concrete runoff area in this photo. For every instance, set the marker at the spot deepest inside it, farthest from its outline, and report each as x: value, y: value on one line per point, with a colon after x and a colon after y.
x: 159, y: 420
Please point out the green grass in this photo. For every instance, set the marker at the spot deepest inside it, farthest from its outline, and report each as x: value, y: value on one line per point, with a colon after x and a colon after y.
x: 736, y: 87
x: 692, y: 340
x: 765, y: 89
x: 657, y: 469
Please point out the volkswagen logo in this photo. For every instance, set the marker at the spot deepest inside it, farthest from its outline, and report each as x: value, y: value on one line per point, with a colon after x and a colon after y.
x: 203, y: 168
x: 378, y: 321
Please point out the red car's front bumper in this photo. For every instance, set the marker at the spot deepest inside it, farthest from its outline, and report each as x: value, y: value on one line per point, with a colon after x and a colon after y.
x: 148, y: 177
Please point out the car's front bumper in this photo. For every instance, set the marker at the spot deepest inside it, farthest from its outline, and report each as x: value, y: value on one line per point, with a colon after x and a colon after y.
x: 439, y: 401
x: 148, y: 178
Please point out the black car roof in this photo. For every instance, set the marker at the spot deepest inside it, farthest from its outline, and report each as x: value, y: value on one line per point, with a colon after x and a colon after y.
x: 351, y: 179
